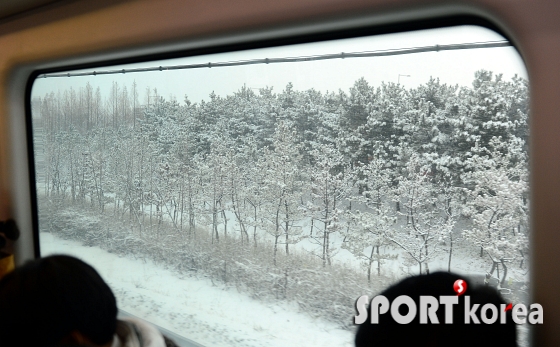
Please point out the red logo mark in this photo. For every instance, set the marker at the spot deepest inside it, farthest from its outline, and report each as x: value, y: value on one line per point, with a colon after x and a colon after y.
x: 460, y: 287
x: 508, y: 307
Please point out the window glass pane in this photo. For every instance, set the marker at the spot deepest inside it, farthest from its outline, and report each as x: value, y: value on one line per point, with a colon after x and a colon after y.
x: 249, y: 198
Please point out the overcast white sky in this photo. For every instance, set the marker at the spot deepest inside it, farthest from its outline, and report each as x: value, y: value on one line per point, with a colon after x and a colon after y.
x: 452, y: 67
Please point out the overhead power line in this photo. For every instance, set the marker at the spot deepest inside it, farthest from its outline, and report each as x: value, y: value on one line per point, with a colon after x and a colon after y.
x: 342, y: 55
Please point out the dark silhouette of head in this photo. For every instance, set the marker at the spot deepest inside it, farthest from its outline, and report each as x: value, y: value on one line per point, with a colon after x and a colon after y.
x: 388, y: 333
x: 51, y: 299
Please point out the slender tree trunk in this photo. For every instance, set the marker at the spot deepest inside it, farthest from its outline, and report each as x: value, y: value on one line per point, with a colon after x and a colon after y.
x: 287, y: 225
x: 378, y: 263
x: 191, y: 208
x: 324, y: 257
x: 426, y: 253
x: 505, y: 272
x: 328, y: 250
x: 275, y: 248
x: 450, y: 252
x: 255, y: 226
x: 225, y: 222
x: 215, y: 217
x: 182, y: 205
x: 325, y: 230
x: 369, y: 265
x: 237, y: 213
x: 493, y: 267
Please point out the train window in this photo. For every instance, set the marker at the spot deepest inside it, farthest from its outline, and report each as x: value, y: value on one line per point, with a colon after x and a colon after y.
x: 250, y: 197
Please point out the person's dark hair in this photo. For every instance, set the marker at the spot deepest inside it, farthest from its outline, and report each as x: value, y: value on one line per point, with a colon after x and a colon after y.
x: 45, y: 300
x: 389, y: 333
x: 9, y: 230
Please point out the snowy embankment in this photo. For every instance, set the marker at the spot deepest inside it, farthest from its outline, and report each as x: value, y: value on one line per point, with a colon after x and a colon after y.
x: 197, y: 308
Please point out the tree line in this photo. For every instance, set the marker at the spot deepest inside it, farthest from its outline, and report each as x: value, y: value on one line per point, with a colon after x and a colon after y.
x: 422, y: 169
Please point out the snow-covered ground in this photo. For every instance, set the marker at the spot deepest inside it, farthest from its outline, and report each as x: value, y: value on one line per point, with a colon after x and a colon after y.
x: 465, y: 258
x: 212, y: 314
x: 199, y: 309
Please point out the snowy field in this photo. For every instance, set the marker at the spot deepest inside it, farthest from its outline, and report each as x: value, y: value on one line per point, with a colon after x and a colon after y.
x: 212, y: 314
x: 199, y: 309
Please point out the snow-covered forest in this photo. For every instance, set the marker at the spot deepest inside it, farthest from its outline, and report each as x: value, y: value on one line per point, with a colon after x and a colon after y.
x: 293, y: 195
